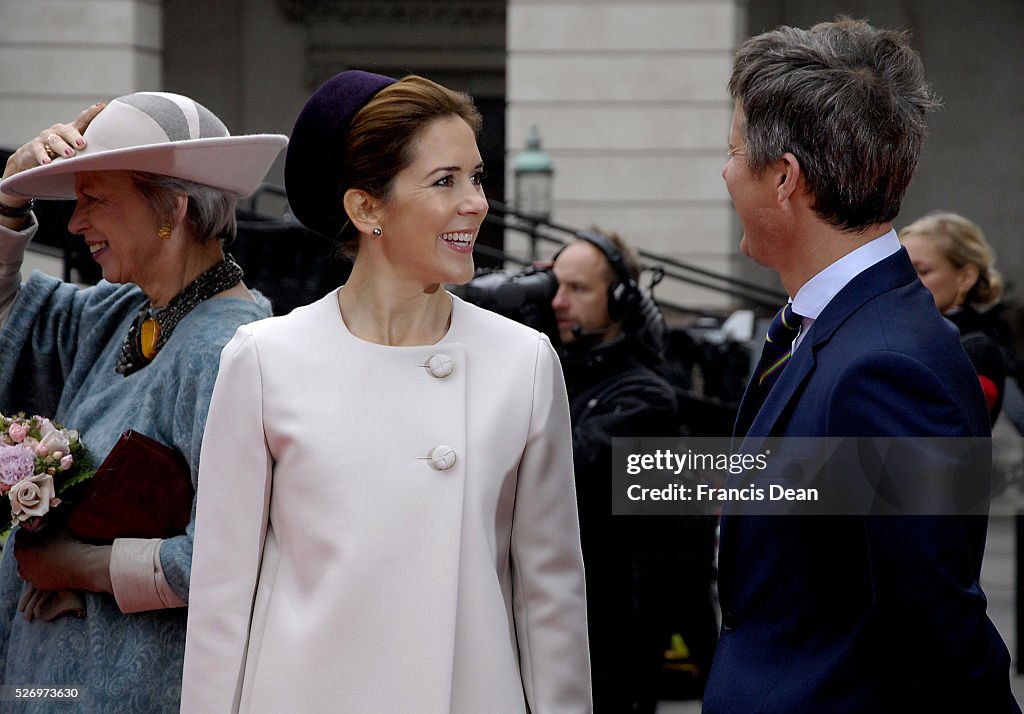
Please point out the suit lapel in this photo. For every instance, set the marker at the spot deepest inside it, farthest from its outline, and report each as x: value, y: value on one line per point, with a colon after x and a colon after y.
x: 752, y: 410
x: 796, y: 371
x: 888, y: 274
x: 891, y: 273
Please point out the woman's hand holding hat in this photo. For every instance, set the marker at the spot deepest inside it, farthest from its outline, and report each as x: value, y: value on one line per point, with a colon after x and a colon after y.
x: 64, y: 139
x: 152, y: 132
x: 57, y: 140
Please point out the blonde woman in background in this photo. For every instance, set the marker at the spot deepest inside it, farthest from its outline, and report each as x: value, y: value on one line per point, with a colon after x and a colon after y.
x: 956, y: 264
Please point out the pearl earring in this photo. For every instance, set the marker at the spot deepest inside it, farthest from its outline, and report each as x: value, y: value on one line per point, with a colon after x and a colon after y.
x: 378, y: 232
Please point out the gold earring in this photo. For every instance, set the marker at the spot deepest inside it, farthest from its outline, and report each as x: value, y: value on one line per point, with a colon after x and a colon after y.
x: 164, y: 231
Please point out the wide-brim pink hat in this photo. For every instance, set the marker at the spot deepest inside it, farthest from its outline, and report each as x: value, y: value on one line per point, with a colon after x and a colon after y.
x: 160, y: 133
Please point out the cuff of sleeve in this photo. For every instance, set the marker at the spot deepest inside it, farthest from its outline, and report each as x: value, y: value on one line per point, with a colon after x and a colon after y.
x: 25, y: 234
x: 138, y: 578
x: 12, y: 248
x: 12, y: 252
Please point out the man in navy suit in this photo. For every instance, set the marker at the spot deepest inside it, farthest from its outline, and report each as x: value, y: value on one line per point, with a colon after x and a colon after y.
x: 847, y: 613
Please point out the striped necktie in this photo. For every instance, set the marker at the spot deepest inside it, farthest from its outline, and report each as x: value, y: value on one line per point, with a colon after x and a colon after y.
x: 777, y: 347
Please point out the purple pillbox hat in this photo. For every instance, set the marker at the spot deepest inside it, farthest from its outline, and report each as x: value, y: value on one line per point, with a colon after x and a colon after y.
x: 315, y: 160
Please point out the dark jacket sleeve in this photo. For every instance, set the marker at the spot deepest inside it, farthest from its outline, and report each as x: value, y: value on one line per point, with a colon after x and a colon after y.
x: 627, y: 407
x: 990, y: 363
x: 924, y: 570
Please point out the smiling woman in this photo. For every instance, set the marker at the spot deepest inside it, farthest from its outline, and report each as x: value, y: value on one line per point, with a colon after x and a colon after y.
x: 111, y: 213
x: 439, y: 562
x: 156, y: 177
x: 432, y: 214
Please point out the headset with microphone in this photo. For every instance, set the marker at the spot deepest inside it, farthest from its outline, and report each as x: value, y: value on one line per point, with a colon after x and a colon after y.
x: 624, y: 294
x: 625, y: 298
x: 580, y: 333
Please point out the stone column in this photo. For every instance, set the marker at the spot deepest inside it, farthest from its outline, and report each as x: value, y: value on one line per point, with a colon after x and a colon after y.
x: 59, y: 56
x: 631, y: 101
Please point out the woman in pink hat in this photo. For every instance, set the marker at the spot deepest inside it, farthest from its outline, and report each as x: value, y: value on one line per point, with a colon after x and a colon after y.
x: 156, y: 177
x: 386, y: 519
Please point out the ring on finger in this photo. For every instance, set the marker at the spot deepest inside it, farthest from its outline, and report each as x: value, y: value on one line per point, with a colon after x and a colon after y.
x: 49, y: 149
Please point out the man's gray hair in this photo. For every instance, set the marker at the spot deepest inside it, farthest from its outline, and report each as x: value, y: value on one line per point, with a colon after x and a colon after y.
x: 849, y: 101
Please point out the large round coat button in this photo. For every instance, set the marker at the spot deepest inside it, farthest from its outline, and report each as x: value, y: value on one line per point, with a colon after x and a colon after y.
x: 440, y: 365
x: 442, y: 457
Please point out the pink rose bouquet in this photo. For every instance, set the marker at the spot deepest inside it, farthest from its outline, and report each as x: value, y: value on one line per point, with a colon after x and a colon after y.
x: 41, y: 463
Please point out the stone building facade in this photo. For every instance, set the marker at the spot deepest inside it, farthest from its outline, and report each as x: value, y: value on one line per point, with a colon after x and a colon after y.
x: 629, y: 95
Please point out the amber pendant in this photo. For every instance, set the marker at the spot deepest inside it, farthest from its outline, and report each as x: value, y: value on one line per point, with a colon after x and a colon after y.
x: 149, y: 333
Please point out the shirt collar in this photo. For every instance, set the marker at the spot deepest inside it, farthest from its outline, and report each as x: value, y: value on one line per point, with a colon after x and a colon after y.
x: 818, y: 292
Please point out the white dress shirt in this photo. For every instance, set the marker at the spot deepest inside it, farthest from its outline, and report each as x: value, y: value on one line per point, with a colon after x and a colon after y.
x: 818, y: 292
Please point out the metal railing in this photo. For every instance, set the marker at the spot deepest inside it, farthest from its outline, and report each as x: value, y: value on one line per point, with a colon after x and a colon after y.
x: 541, y: 231
x: 270, y: 201
x: 545, y: 231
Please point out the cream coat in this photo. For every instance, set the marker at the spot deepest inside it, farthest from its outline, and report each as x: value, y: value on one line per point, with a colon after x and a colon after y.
x: 336, y: 570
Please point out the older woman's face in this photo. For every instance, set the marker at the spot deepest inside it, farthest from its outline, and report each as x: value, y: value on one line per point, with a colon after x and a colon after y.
x: 947, y: 283
x: 436, y: 205
x: 119, y: 226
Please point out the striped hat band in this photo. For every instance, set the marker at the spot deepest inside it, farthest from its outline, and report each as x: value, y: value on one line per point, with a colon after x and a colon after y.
x: 161, y: 133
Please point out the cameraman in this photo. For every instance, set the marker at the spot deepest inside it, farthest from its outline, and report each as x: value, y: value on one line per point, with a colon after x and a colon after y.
x: 611, y: 337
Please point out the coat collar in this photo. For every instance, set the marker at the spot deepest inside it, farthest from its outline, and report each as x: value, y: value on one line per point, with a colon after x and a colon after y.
x: 888, y: 274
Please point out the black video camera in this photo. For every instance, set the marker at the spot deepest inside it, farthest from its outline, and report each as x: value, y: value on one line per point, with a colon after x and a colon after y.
x: 524, y: 296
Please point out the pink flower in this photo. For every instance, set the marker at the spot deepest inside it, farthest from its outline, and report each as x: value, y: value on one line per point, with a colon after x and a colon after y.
x: 31, y: 497
x: 17, y: 432
x: 52, y: 438
x: 66, y: 463
x: 42, y: 449
x: 16, y: 463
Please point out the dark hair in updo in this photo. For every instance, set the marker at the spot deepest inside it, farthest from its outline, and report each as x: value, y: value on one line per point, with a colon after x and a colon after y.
x: 380, y: 140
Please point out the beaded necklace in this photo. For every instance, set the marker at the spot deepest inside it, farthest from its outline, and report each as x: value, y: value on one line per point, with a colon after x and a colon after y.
x: 153, y: 326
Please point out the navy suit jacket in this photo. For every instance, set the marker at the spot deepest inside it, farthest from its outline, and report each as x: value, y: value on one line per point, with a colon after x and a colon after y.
x: 869, y: 613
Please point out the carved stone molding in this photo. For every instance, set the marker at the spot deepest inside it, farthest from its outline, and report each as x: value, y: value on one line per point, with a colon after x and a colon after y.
x: 461, y: 42
x: 474, y: 12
